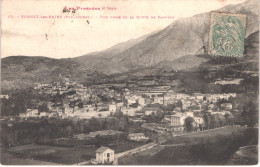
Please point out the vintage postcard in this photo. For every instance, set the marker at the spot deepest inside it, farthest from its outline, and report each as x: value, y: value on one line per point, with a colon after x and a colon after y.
x: 129, y: 82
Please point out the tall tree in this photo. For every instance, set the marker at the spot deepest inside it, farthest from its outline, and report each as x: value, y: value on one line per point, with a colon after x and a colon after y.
x: 188, y: 124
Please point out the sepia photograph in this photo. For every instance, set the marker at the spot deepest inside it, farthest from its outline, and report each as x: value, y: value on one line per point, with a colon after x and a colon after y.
x: 129, y: 82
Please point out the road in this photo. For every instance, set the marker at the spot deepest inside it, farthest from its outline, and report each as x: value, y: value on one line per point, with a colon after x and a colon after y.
x: 135, y: 150
x: 162, y: 137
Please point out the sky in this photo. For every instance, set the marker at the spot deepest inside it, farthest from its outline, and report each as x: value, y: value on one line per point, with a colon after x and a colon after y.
x: 72, y: 37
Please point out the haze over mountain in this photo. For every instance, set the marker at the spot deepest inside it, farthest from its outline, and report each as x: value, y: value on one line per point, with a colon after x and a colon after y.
x: 100, y: 61
x: 173, y: 48
x: 187, y: 36
x: 183, y: 37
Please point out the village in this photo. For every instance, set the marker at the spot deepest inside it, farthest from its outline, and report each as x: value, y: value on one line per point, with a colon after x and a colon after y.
x: 159, y: 109
x: 78, y: 101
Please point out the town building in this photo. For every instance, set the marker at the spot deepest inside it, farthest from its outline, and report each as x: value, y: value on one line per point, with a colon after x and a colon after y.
x: 137, y: 137
x: 150, y: 112
x: 4, y: 96
x: 112, y: 107
x: 105, y: 155
x: 32, y: 113
x: 175, y: 120
x: 226, y: 106
x: 141, y: 102
x: 178, y: 128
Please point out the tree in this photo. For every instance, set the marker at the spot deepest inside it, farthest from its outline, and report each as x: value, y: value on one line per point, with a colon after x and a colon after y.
x: 206, y: 120
x: 169, y: 107
x: 179, y: 104
x: 43, y: 108
x: 134, y: 105
x: 188, y: 124
x: 6, y: 107
x: 80, y: 105
x: 227, y: 119
x: 214, y: 121
x: 221, y: 101
x: 94, y: 124
x: 250, y: 113
x: 118, y: 114
x: 69, y: 129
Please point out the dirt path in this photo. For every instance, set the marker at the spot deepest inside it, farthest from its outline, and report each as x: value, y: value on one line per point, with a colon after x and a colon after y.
x: 135, y: 150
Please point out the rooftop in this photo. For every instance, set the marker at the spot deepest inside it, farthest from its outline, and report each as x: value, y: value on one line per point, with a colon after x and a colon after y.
x: 136, y: 134
x: 102, y: 149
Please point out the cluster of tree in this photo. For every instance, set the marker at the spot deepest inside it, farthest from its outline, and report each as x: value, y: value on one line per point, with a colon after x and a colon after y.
x: 246, y: 106
x: 43, y: 107
x: 20, y: 101
x: 245, y: 109
x: 188, y: 123
x: 134, y: 105
x: 154, y: 118
x: 221, y: 101
x: 171, y: 107
x: 210, y: 122
x: 43, y: 130
x: 216, y: 120
x: 219, y: 150
x: 168, y: 107
x: 57, y: 99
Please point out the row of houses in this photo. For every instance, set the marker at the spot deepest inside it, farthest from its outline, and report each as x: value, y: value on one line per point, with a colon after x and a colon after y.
x: 84, y: 102
x: 34, y: 113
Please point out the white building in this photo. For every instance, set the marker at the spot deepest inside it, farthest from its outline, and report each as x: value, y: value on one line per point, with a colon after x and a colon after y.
x: 105, y: 155
x: 137, y: 137
x: 141, y: 102
x: 178, y: 119
x: 150, y: 112
x: 43, y: 114
x: 112, y: 108
x: 32, y: 113
x: 131, y: 100
x: 198, y: 120
x: 159, y: 100
x: 119, y: 104
x: 189, y: 114
x: 130, y: 111
x: 175, y: 120
x: 185, y: 104
x: 22, y: 115
x: 4, y: 96
x: 198, y: 96
x: 226, y: 106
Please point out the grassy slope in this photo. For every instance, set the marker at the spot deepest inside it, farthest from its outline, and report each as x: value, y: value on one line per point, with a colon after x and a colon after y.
x: 211, y: 147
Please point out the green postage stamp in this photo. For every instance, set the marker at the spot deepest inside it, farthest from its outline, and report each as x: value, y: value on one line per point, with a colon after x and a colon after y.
x: 227, y: 34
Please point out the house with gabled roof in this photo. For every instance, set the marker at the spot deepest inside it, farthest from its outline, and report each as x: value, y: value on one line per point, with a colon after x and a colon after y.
x: 105, y: 155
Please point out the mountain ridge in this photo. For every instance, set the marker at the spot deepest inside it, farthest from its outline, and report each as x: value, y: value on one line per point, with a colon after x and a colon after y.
x: 180, y: 46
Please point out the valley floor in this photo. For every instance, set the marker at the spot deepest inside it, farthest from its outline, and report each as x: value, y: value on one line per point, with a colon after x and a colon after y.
x: 8, y: 159
x: 210, y: 147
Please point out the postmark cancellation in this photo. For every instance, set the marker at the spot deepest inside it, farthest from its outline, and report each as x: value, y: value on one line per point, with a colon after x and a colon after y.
x: 227, y: 34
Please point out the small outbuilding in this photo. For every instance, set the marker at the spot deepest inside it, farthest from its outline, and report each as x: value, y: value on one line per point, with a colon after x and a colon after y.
x: 105, y: 155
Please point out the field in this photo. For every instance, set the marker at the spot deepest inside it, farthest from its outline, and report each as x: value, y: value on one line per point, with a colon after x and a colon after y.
x: 213, y: 147
x: 59, y: 155
x: 212, y: 133
x: 64, y: 154
x: 119, y: 144
x: 8, y: 159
